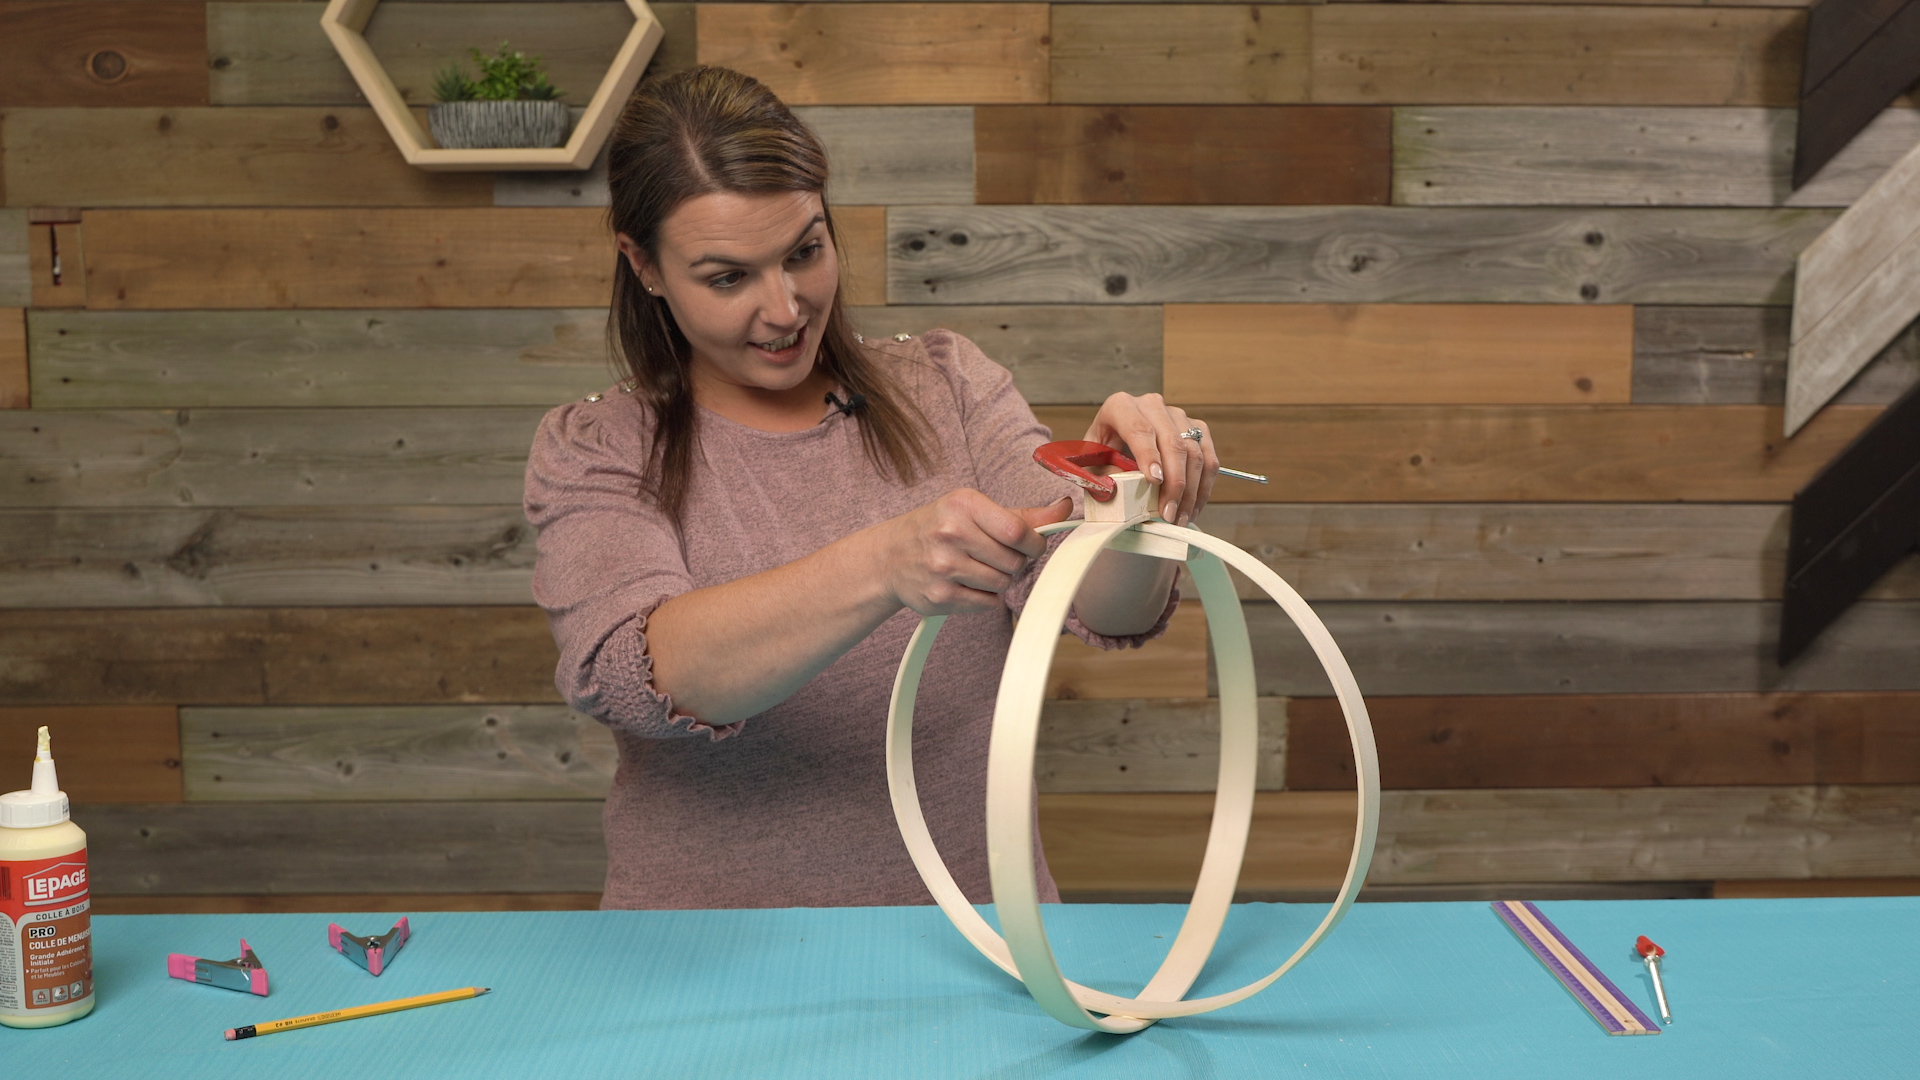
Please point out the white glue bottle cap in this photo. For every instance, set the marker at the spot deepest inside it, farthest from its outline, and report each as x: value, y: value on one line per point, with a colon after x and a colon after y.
x: 43, y: 803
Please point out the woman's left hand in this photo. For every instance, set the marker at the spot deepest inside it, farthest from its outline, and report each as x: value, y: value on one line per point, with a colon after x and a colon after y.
x: 1152, y: 433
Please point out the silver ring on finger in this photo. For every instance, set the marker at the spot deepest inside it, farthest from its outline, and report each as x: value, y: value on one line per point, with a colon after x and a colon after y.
x: 1193, y: 433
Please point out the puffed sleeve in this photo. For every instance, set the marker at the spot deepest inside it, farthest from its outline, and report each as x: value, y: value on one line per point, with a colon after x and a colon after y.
x: 607, y: 557
x: 1002, y: 433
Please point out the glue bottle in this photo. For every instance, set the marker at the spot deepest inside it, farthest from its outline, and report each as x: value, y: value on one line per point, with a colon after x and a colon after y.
x: 46, y: 929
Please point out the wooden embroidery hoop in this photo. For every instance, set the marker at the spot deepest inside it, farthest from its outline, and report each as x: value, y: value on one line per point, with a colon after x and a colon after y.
x: 1124, y: 524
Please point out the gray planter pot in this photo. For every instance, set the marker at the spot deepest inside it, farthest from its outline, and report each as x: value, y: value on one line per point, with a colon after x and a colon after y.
x: 492, y: 125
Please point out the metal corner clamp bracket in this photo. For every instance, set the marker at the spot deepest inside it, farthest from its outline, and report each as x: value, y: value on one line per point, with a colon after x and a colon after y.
x: 245, y: 974
x: 372, y: 953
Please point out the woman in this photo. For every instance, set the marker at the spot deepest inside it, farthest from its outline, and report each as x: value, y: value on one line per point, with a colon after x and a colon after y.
x: 751, y: 524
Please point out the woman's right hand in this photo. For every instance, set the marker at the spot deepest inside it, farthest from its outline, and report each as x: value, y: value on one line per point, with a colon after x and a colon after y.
x: 959, y: 552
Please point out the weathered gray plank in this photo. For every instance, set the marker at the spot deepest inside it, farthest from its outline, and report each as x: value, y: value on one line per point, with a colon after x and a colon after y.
x: 891, y: 155
x: 500, y: 356
x: 276, y: 54
x: 1575, y: 156
x: 1586, y: 648
x: 1738, y: 356
x: 16, y: 277
x: 420, y: 847
x: 454, y: 752
x: 1148, y: 745
x: 183, y: 359
x: 292, y: 556
x: 266, y: 457
x: 408, y: 752
x: 1143, y: 255
x: 1059, y: 355
x: 1507, y: 551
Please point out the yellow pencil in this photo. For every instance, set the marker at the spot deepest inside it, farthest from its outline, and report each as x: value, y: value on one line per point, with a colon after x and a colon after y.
x: 354, y: 1013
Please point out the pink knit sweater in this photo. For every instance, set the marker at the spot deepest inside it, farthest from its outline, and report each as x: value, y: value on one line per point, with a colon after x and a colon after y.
x: 788, y: 808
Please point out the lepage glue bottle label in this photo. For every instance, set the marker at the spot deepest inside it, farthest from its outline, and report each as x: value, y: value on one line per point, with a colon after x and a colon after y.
x: 46, y: 926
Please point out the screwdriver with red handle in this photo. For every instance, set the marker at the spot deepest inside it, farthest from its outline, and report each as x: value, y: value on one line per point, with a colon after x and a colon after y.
x: 1652, y: 953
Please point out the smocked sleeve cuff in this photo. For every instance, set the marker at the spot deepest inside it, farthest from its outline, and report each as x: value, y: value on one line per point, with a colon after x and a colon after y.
x: 616, y: 687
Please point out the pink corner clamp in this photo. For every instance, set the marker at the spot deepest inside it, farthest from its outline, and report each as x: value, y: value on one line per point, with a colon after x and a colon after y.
x: 245, y: 974
x: 372, y: 953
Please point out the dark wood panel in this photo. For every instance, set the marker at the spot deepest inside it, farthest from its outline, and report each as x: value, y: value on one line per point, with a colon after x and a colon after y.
x: 1170, y: 254
x: 1301, y: 839
x: 294, y: 556
x: 362, y: 258
x: 278, y: 656
x: 222, y: 156
x: 1590, y: 648
x: 1629, y: 453
x: 423, y: 848
x: 1497, y: 54
x: 103, y: 53
x: 1220, y: 155
x: 1791, y: 887
x: 1626, y: 740
x: 883, y: 54
x: 336, y: 903
x: 1493, y: 551
x: 1861, y: 55
x: 104, y: 754
x: 1059, y: 354
x: 1738, y: 356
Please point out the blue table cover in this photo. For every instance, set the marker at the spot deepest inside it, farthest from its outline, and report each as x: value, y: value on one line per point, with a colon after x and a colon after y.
x: 1760, y: 988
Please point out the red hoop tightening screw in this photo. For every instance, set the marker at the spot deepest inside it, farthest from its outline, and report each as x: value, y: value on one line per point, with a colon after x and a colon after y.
x: 1072, y: 457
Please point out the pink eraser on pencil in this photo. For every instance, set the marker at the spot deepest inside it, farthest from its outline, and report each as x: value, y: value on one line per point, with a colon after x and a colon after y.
x: 180, y: 966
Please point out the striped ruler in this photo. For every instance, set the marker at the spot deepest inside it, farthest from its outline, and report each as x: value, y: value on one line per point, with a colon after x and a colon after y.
x: 1577, y: 973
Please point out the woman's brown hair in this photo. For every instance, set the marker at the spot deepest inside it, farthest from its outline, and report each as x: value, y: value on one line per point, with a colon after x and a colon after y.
x: 696, y: 132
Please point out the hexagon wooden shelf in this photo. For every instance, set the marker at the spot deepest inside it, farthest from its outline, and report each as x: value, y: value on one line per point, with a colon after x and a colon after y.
x: 345, y: 20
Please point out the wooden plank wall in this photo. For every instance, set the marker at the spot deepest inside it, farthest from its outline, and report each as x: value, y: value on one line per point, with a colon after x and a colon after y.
x: 1496, y: 292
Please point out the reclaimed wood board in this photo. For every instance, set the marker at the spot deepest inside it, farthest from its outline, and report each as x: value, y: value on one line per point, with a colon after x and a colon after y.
x: 374, y: 753
x: 1094, y: 842
x: 188, y: 359
x: 1604, y: 156
x: 1154, y: 842
x: 1605, y: 647
x: 266, y: 457
x: 1856, y: 288
x: 404, y: 656
x: 1465, y: 453
x: 225, y: 156
x: 1612, y: 740
x: 57, y: 259
x: 300, y: 556
x: 16, y: 275
x: 1522, y: 551
x: 107, y: 53
x: 1170, y: 254
x: 1173, y: 54
x: 15, y: 389
x: 883, y: 54
x: 895, y: 155
x: 1148, y: 745
x: 276, y: 53
x: 105, y: 754
x: 403, y: 753
x: 1738, y: 356
x: 1399, y: 354
x: 349, y: 258
x: 862, y: 235
x: 1218, y: 155
x: 1447, y: 54
x: 476, y: 456
x: 1059, y: 354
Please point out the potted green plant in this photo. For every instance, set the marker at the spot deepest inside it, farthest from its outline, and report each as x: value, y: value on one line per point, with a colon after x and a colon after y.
x: 511, y: 104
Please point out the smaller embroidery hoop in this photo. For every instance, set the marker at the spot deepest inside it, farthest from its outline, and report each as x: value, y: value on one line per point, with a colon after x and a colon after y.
x: 1025, y: 952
